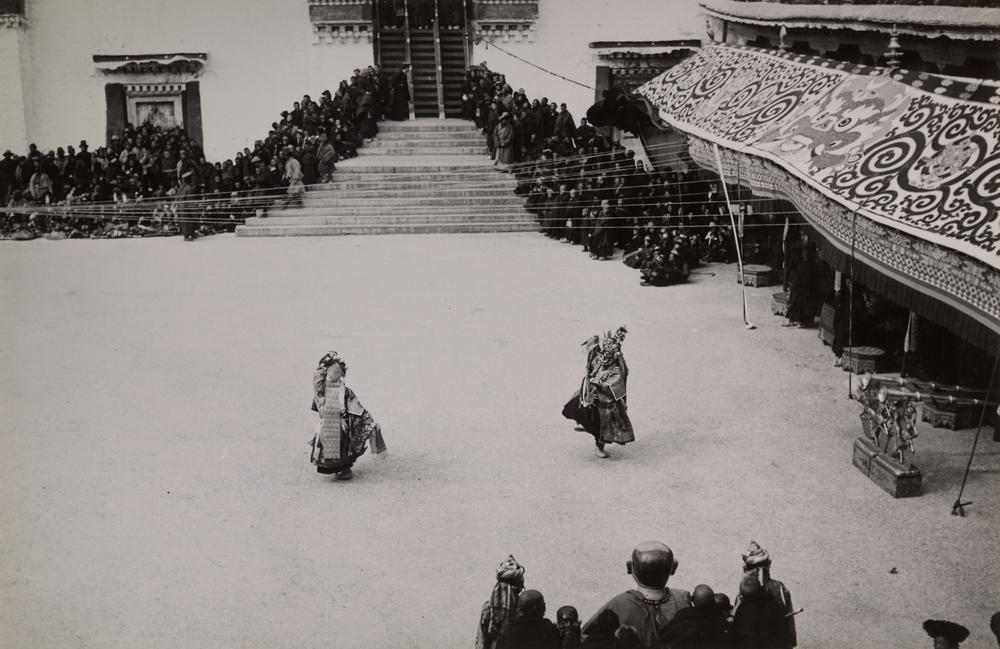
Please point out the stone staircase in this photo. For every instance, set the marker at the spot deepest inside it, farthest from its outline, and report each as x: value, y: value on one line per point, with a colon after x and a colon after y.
x: 420, y: 176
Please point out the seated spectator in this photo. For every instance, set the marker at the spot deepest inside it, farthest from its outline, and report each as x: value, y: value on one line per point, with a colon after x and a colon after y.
x: 697, y: 627
x: 601, y: 631
x: 627, y: 637
x: 499, y: 609
x: 530, y: 629
x: 759, y: 622
x: 568, y: 622
x: 757, y: 561
x: 946, y: 635
x: 651, y: 605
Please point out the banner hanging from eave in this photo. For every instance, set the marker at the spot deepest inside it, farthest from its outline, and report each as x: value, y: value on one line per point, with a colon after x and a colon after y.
x: 916, y: 154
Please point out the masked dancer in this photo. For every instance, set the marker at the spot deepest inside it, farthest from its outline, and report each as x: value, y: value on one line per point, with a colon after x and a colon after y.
x: 599, y: 406
x: 344, y: 425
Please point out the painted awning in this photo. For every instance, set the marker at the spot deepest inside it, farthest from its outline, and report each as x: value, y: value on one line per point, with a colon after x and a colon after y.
x: 914, y: 157
x: 191, y: 62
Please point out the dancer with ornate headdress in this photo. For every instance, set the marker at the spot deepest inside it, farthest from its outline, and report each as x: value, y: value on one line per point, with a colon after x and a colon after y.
x: 344, y: 425
x: 499, y: 609
x: 599, y: 406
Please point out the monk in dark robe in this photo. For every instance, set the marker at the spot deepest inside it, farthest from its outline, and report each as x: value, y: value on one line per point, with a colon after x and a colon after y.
x: 185, y: 211
x: 804, y: 291
x: 365, y: 115
x: 400, y: 110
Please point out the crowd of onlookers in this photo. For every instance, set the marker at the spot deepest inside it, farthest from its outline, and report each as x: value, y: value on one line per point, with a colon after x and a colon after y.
x: 130, y: 187
x: 588, y: 191
x: 651, y: 615
x: 654, y: 615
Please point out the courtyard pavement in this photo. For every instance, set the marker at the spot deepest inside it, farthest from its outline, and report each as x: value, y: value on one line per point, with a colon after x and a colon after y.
x: 156, y: 489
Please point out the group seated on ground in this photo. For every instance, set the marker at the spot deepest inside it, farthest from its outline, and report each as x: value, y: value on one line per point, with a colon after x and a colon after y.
x: 650, y: 615
x: 588, y: 191
x: 127, y: 188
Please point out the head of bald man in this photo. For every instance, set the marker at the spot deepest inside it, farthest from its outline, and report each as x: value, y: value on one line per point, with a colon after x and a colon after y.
x: 703, y: 597
x: 530, y: 604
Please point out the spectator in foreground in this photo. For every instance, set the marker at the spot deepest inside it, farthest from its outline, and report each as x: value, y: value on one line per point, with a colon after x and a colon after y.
x: 946, y: 635
x: 651, y: 605
x: 757, y: 561
x: 601, y: 631
x: 697, y: 627
x: 530, y: 629
x: 759, y: 622
x: 568, y: 622
x: 499, y: 610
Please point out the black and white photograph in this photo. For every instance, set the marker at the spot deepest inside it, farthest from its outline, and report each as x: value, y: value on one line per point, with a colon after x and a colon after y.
x: 499, y: 324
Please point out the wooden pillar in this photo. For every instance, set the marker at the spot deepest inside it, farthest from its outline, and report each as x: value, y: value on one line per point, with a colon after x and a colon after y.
x: 407, y: 54
x: 437, y: 61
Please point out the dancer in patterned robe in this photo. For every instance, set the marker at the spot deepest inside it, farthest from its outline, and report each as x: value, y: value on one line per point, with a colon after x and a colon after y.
x: 599, y: 406
x: 345, y: 426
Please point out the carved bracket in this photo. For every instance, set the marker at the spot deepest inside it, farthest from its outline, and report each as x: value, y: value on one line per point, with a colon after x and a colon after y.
x: 504, y: 31
x: 13, y: 21
x: 342, y: 33
x: 341, y: 21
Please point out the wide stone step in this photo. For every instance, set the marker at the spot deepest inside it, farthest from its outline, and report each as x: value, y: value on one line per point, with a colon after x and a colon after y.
x: 431, y: 142
x: 428, y: 125
x: 400, y: 210
x: 388, y: 200
x: 386, y: 219
x: 406, y: 228
x: 409, y: 191
x: 439, y: 187
x: 426, y: 150
x: 430, y: 136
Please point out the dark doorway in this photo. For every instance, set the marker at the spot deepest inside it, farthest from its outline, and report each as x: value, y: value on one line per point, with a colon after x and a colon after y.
x: 432, y: 35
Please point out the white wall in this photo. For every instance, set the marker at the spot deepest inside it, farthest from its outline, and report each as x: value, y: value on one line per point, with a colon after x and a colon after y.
x: 563, y: 32
x: 261, y: 58
x: 14, y: 63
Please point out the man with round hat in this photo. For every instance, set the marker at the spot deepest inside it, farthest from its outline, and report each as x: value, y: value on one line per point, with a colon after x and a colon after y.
x: 946, y: 635
x: 651, y: 605
x: 184, y: 205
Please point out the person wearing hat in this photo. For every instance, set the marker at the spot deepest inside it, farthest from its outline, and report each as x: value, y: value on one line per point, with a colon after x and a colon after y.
x: 345, y: 426
x: 500, y: 609
x: 757, y: 562
x: 651, y: 605
x: 599, y: 406
x: 504, y: 143
x: 184, y: 205
x: 946, y: 635
x: 8, y: 167
x: 759, y: 622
